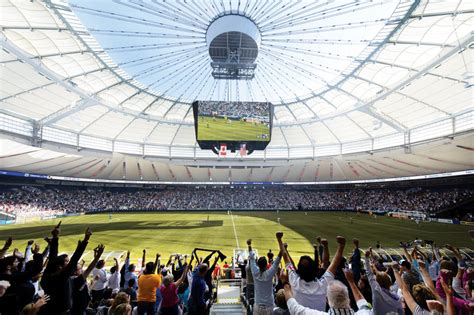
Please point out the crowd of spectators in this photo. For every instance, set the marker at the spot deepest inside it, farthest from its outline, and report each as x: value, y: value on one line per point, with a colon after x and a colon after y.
x: 33, y: 201
x: 46, y: 282
x: 235, y: 109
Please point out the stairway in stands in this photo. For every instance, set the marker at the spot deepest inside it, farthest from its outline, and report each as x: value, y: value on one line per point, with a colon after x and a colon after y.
x: 228, y: 298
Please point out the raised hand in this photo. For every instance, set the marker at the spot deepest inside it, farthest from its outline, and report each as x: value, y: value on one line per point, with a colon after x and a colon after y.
x: 87, y: 234
x: 324, y: 242
x: 284, y: 277
x: 41, y: 301
x: 279, y: 235
x: 35, y: 249
x: 249, y: 242
x: 98, y: 251
x: 434, y: 305
x: 56, y: 230
x: 447, y: 289
x: 30, y: 242
x: 8, y: 243
x: 341, y: 240
x: 422, y: 264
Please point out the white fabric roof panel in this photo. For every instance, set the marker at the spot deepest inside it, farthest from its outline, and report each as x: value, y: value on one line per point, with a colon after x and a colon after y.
x: 81, y: 119
x: 96, y: 81
x: 138, y: 129
x: 109, y: 125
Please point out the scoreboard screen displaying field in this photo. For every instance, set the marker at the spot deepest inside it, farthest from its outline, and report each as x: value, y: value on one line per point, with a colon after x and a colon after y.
x: 233, y: 121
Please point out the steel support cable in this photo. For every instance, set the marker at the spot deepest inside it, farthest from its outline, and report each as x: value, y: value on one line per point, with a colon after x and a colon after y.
x: 312, y: 17
x: 191, y: 22
x: 281, y: 83
x: 319, y: 67
x: 190, y: 82
x: 323, y: 29
x: 283, y: 14
x: 184, y: 66
x: 133, y: 34
x: 316, y: 53
x: 206, y: 15
x: 126, y: 18
x: 270, y: 66
x: 140, y: 61
x: 262, y: 9
x: 162, y: 67
x: 151, y: 46
x: 179, y: 14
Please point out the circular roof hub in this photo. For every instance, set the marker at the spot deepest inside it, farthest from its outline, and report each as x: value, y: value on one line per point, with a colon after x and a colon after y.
x: 233, y: 37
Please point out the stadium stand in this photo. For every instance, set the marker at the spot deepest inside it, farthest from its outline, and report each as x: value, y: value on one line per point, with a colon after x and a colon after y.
x: 48, y: 200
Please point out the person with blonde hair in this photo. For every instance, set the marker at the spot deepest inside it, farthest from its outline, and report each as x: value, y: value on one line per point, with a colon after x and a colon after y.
x: 122, y: 309
x: 169, y: 293
x: 120, y: 298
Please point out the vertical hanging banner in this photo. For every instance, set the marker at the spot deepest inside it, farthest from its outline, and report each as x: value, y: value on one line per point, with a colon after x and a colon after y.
x: 223, y: 150
x: 243, y: 149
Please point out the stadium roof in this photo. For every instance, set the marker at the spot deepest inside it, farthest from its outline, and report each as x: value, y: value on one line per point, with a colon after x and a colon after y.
x: 345, y: 77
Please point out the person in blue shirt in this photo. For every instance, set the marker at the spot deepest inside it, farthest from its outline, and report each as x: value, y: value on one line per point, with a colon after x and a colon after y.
x: 197, y: 303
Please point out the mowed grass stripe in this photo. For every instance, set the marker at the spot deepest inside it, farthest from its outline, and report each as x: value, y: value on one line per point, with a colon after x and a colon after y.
x: 181, y: 232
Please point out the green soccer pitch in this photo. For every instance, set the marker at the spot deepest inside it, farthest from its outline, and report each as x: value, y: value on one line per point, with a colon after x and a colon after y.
x: 181, y: 232
x: 219, y: 129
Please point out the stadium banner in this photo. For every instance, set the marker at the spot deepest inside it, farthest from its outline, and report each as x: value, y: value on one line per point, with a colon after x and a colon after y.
x: 21, y: 174
x: 467, y: 223
x: 145, y: 182
x: 445, y: 221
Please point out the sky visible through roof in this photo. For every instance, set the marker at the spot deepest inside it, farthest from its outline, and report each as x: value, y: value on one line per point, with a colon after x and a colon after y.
x: 305, y: 45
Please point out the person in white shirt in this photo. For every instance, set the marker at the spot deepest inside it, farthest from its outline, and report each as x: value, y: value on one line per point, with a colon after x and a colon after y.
x: 307, y: 289
x: 338, y: 299
x: 100, y: 281
x: 130, y: 272
x: 114, y: 279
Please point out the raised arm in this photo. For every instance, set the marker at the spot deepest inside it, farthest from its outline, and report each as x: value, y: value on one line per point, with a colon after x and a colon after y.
x: 405, y: 250
x: 81, y: 247
x: 368, y: 269
x: 157, y: 263
x: 341, y: 242
x: 252, y: 263
x: 127, y: 261
x: 54, y: 244
x: 409, y: 301
x: 316, y: 254
x: 5, y: 247
x: 325, y: 244
x: 435, y: 252
x: 355, y: 290
x: 98, y: 251
x: 427, y: 278
x: 183, y: 276
x: 143, y: 258
x: 286, y: 258
x: 449, y: 298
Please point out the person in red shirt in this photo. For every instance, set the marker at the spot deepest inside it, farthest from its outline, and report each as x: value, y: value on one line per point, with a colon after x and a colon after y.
x: 169, y: 294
